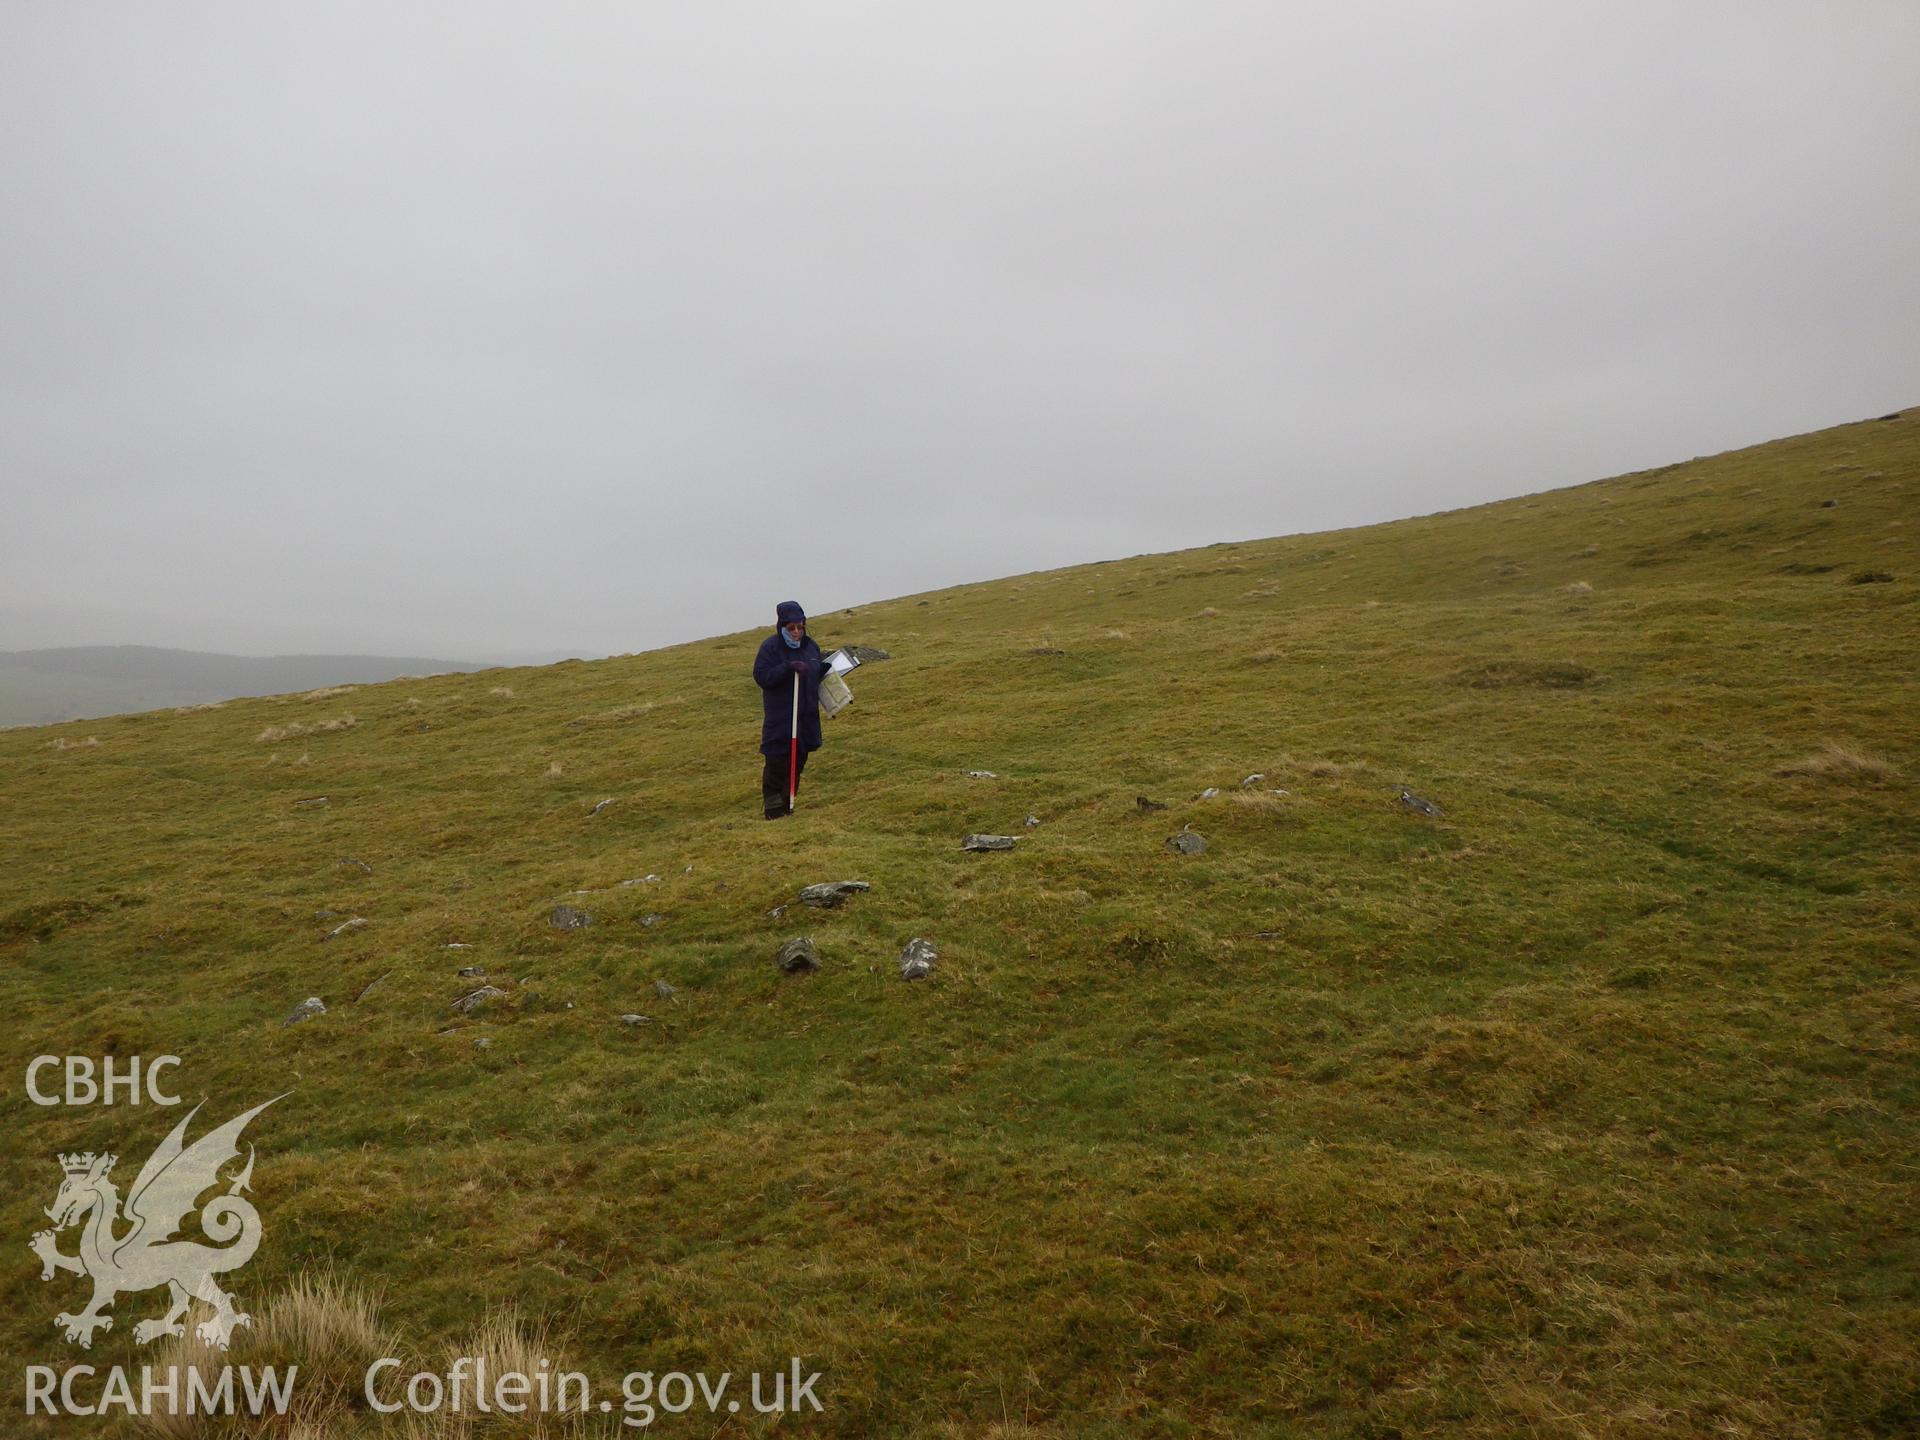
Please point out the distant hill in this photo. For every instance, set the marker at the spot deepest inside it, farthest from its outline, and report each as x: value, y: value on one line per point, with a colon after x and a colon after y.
x: 83, y: 682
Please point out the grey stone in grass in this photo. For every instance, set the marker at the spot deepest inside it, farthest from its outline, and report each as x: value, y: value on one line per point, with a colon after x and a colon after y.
x: 776, y: 912
x: 601, y: 806
x: 649, y: 921
x: 981, y: 775
x: 664, y: 991
x: 467, y: 1004
x: 308, y: 1008
x: 351, y: 925
x: 1186, y: 843
x: 568, y: 917
x: 483, y: 1042
x: 456, y: 945
x: 1414, y: 805
x: 1253, y: 780
x: 916, y: 961
x: 312, y: 800
x: 349, y: 860
x: 987, y: 842
x: 797, y: 956
x: 635, y: 1021
x: 1032, y: 820
x: 1209, y: 792
x: 472, y: 972
x: 831, y: 893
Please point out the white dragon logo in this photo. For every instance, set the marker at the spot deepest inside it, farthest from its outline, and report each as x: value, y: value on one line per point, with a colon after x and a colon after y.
x: 147, y: 1255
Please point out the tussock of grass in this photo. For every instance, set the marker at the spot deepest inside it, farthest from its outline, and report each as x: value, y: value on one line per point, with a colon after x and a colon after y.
x: 503, y: 692
x: 61, y: 742
x: 1577, y: 587
x: 274, y: 734
x: 327, y: 692
x: 1834, y: 761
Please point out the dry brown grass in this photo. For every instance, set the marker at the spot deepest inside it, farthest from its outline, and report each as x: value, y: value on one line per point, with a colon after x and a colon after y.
x: 1207, y: 613
x: 327, y: 692
x: 195, y: 709
x: 1835, y: 761
x: 274, y: 734
x: 1578, y: 587
x: 1265, y: 657
x: 60, y: 742
x: 505, y: 692
x: 555, y: 770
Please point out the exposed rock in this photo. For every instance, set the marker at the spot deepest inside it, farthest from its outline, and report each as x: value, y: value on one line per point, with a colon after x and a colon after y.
x: 1147, y: 806
x: 308, y: 1008
x: 643, y: 880
x: 664, y: 991
x: 797, y: 955
x: 601, y: 806
x: 1414, y: 805
x: 1253, y: 780
x: 1186, y: 843
x: 1209, y: 792
x: 1032, y: 820
x: 361, y: 864
x: 457, y: 945
x: 467, y: 1004
x: 981, y: 775
x: 916, y: 961
x: 987, y: 842
x: 776, y: 912
x: 483, y: 1042
x: 312, y: 800
x: 472, y: 972
x: 649, y: 921
x: 566, y: 917
x: 634, y: 1021
x: 368, y: 987
x: 830, y: 894
x: 354, y: 924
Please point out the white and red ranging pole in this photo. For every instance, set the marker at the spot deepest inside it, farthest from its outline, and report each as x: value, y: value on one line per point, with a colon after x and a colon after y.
x: 793, y: 746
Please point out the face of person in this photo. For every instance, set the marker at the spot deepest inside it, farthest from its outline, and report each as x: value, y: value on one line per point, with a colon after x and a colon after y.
x: 796, y: 629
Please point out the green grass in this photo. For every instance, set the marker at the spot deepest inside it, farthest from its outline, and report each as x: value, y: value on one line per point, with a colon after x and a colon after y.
x: 1585, y: 1110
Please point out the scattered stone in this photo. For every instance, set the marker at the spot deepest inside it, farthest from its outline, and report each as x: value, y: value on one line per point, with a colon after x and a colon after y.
x: 643, y: 880
x: 483, y: 1042
x: 601, y: 806
x: 467, y: 1004
x: 354, y: 924
x: 457, y: 945
x: 916, y: 961
x: 1414, y: 805
x: 987, y: 842
x: 687, y: 871
x: 981, y: 775
x: 776, y: 912
x: 1147, y: 806
x: 1032, y: 820
x: 566, y: 917
x: 472, y: 972
x: 349, y: 860
x: 1253, y: 780
x: 649, y: 921
x: 1186, y: 843
x: 664, y: 991
x: 830, y: 894
x: 312, y: 800
x: 1209, y: 792
x: 797, y: 956
x: 635, y: 1021
x: 308, y: 1008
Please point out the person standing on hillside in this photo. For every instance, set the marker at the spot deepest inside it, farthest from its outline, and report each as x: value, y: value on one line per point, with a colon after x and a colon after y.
x: 786, y: 655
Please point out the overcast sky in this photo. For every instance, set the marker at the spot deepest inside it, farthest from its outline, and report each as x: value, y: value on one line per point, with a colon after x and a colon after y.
x: 482, y: 331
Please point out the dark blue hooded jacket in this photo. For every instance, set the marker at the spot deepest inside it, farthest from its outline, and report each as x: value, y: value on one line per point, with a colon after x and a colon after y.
x: 773, y: 670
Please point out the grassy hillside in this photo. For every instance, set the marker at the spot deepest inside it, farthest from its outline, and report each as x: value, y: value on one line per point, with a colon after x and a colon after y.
x: 1584, y: 1109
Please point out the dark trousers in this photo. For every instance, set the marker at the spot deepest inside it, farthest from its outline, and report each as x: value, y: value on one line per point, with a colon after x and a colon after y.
x: 773, y: 781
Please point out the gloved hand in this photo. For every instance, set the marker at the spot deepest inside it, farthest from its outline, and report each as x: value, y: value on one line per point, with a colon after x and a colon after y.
x: 799, y: 667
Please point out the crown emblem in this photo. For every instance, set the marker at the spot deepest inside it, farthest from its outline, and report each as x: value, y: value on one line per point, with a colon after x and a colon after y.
x: 80, y: 1164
